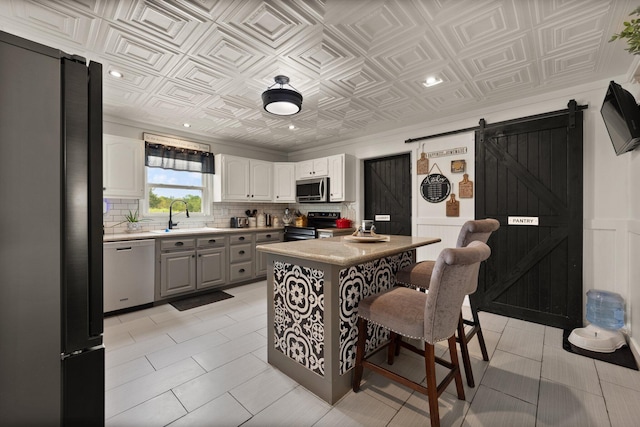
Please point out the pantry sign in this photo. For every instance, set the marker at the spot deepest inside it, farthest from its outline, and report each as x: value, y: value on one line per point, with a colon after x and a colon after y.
x: 523, y: 220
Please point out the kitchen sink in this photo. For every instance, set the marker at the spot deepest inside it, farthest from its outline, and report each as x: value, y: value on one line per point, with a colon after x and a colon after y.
x: 186, y: 230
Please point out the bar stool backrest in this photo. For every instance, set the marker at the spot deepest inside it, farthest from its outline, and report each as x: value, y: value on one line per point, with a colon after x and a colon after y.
x: 454, y: 269
x: 476, y: 230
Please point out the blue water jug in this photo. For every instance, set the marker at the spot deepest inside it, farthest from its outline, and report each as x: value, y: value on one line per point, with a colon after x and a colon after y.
x: 605, y: 309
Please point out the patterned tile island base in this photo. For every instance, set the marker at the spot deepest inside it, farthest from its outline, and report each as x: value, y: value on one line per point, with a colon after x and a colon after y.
x: 313, y: 302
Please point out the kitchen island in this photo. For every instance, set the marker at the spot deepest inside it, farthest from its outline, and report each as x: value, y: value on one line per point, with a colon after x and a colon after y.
x: 313, y: 290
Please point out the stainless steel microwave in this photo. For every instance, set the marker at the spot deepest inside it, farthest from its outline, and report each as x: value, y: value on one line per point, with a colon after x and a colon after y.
x: 314, y: 190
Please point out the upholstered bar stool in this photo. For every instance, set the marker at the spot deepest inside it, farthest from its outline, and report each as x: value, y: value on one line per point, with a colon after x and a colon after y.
x: 418, y: 276
x: 430, y: 317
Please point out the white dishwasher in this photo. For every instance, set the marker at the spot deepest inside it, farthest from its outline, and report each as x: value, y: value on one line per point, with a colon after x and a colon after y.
x: 128, y: 273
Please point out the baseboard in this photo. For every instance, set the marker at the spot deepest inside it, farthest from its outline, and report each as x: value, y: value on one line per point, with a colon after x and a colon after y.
x: 635, y: 349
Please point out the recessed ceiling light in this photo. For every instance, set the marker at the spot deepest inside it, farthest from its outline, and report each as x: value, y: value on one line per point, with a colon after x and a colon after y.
x: 187, y: 125
x: 115, y: 73
x: 292, y: 127
x: 432, y: 81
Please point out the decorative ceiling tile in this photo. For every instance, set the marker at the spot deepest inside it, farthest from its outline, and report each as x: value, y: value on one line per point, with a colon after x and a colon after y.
x: 203, y: 76
x: 482, y: 27
x: 453, y: 98
x: 178, y: 93
x: 549, y: 11
x: 513, y: 53
x: 417, y: 55
x: 578, y: 31
x: 159, y: 21
x: 131, y: 77
x: 71, y: 26
x: 135, y: 48
x: 268, y: 23
x: 515, y: 80
x: 360, y: 65
x: 226, y: 51
x: 570, y: 64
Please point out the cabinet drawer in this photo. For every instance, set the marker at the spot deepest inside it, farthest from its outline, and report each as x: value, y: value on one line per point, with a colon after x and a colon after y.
x: 240, y: 238
x: 240, y: 271
x: 177, y: 244
x: 212, y: 242
x: 269, y: 236
x: 238, y: 253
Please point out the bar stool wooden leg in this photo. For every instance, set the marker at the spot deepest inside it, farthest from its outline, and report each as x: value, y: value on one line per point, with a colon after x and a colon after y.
x: 453, y: 353
x: 393, y: 349
x: 478, y: 331
x: 432, y: 388
x: 362, y: 338
x: 464, y: 349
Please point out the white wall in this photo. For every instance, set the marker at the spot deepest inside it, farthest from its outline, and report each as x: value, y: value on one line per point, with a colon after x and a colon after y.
x: 611, y: 199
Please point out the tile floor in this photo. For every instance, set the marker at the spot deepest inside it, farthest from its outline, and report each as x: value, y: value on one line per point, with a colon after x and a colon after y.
x: 207, y: 367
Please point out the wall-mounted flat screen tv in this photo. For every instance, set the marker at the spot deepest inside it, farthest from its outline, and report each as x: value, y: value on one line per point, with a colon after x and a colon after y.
x: 621, y: 115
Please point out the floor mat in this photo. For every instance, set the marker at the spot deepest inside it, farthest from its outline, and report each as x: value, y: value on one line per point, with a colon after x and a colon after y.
x: 197, y: 301
x: 621, y: 357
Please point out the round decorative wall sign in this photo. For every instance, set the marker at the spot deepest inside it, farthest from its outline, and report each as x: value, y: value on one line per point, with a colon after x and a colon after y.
x: 435, y: 188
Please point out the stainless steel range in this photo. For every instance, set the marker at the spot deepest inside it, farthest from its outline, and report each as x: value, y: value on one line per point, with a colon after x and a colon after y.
x: 315, y: 220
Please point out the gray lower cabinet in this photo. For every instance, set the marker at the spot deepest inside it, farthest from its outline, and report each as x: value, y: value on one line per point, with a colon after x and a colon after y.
x: 211, y: 262
x: 191, y: 264
x: 261, y: 258
x: 241, y: 247
x: 177, y: 273
x: 202, y: 262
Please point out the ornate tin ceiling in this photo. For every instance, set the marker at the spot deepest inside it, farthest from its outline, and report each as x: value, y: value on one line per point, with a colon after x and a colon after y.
x: 360, y: 65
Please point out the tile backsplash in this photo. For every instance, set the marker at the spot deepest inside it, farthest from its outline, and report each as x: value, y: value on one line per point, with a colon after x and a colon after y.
x: 116, y: 209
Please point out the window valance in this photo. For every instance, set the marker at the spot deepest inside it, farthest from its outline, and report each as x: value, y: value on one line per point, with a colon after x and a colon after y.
x: 178, y: 158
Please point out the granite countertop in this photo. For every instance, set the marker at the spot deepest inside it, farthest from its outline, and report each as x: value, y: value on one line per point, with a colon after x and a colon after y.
x: 183, y: 232
x: 342, y: 252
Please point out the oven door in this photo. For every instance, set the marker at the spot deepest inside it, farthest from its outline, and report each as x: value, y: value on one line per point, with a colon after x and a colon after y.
x: 292, y: 234
x: 312, y: 190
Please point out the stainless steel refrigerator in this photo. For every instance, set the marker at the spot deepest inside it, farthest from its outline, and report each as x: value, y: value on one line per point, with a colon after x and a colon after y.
x: 51, y: 320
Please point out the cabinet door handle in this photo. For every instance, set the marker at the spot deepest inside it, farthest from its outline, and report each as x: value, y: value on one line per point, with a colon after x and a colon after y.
x: 241, y: 238
x: 241, y: 252
x: 212, y: 240
x: 199, y: 255
x: 193, y: 256
x: 268, y: 236
x: 179, y: 244
x: 241, y: 270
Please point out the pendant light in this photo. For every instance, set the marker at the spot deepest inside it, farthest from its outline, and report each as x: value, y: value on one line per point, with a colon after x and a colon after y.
x: 281, y: 101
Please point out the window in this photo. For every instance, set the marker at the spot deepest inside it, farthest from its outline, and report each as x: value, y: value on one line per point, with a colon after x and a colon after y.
x: 166, y: 185
x: 177, y: 173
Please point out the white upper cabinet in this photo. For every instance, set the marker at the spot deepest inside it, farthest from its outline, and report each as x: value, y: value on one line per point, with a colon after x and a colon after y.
x: 284, y: 182
x: 315, y: 168
x: 231, y: 180
x: 341, y: 178
x: 242, y: 180
x: 122, y: 167
x: 261, y: 179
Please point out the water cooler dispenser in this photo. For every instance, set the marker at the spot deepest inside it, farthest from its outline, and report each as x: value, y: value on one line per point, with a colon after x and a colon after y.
x: 605, y: 312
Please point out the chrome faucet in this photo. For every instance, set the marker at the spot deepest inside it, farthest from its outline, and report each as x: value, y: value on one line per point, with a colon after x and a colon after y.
x: 171, y: 223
